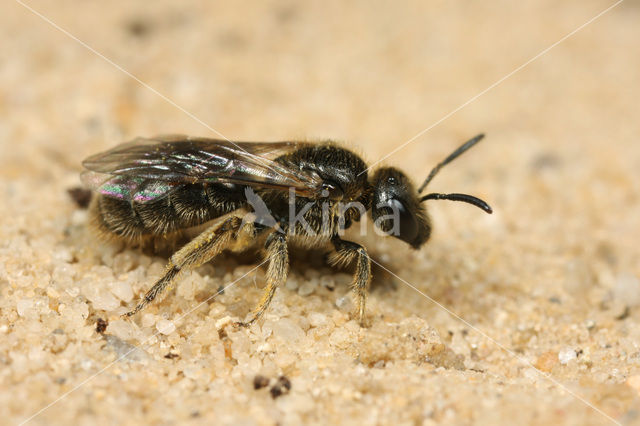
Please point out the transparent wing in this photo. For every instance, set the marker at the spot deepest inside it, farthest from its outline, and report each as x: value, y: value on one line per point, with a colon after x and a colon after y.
x: 147, y: 169
x: 128, y: 188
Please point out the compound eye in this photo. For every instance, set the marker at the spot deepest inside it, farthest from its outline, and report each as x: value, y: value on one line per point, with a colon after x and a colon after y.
x: 408, y: 224
x: 331, y: 190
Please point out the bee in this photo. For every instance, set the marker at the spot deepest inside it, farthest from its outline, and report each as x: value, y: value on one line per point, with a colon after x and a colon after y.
x: 256, y: 193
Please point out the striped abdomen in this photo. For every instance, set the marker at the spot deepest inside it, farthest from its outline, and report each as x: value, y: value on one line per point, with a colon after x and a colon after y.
x: 187, y: 206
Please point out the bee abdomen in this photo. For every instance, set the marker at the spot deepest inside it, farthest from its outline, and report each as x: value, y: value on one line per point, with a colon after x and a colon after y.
x: 188, y: 206
x: 115, y: 217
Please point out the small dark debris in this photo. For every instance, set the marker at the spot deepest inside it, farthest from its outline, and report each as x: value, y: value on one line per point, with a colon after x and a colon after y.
x: 172, y: 355
x: 61, y: 380
x: 276, y: 391
x: 556, y: 300
x: 195, y: 414
x: 260, y: 382
x: 282, y: 387
x: 625, y: 314
x: 285, y: 382
x: 101, y: 325
x: 139, y: 27
x: 579, y: 352
x: 222, y: 334
x: 81, y: 196
x: 329, y: 285
x: 220, y: 290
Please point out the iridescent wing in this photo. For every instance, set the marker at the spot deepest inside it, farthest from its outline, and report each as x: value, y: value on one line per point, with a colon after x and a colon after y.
x: 148, y: 169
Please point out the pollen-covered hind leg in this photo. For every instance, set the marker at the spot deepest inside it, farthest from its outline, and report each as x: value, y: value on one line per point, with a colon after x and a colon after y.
x: 277, y: 272
x: 198, y: 251
x: 346, y: 252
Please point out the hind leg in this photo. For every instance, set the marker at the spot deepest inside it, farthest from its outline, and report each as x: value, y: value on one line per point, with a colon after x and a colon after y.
x: 201, y: 249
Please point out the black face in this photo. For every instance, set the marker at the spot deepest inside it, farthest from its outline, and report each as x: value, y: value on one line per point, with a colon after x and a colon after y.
x: 396, y: 208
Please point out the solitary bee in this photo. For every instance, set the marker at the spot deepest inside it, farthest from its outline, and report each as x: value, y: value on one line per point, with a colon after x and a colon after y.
x: 255, y: 193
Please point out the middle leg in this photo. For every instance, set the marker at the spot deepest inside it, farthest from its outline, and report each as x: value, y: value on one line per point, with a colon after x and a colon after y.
x: 277, y: 272
x: 345, y: 253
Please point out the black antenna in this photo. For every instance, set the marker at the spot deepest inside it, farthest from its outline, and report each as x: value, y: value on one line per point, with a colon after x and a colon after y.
x: 460, y: 197
x: 455, y: 154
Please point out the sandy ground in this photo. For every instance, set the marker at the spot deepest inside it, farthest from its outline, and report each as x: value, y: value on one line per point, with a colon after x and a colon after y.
x: 529, y: 314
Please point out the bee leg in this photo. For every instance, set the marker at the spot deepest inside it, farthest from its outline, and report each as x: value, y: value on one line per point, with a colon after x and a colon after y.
x: 345, y: 253
x: 277, y: 271
x: 198, y: 251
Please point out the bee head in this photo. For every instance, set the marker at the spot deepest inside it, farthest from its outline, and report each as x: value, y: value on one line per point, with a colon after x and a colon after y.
x: 396, y: 208
x: 397, y: 205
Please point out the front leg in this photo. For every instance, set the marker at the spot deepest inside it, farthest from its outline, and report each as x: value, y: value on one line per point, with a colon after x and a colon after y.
x: 277, y: 272
x: 345, y: 253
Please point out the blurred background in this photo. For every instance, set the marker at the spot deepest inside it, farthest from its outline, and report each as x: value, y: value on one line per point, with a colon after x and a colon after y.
x: 559, y: 165
x: 371, y: 74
